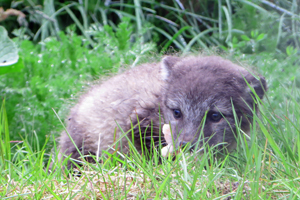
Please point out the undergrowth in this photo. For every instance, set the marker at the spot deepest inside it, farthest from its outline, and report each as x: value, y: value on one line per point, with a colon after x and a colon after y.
x: 54, y: 77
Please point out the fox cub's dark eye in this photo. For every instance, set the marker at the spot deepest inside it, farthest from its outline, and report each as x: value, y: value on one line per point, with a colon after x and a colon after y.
x: 177, y: 113
x: 215, y: 116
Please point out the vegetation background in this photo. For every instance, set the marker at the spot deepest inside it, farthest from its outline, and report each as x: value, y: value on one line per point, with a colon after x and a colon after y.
x: 64, y: 46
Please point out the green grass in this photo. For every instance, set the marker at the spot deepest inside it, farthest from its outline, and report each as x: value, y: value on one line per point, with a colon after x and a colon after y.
x: 262, y: 167
x: 59, y: 66
x: 52, y: 78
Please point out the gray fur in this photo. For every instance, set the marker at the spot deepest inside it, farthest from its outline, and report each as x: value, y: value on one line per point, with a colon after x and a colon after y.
x: 192, y: 84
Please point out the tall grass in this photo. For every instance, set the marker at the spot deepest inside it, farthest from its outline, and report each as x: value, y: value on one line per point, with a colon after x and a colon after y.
x: 262, y: 167
x: 206, y: 23
x: 5, y: 152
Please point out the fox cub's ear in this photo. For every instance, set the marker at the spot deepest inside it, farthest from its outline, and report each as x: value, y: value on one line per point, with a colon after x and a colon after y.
x: 166, y: 66
x: 259, y: 85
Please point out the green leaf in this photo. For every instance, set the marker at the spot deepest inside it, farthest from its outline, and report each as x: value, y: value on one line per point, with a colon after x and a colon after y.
x: 12, y: 68
x: 245, y: 37
x: 8, y: 49
x: 260, y: 37
x: 123, y: 34
x: 254, y: 34
x: 234, y: 40
x: 290, y: 50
